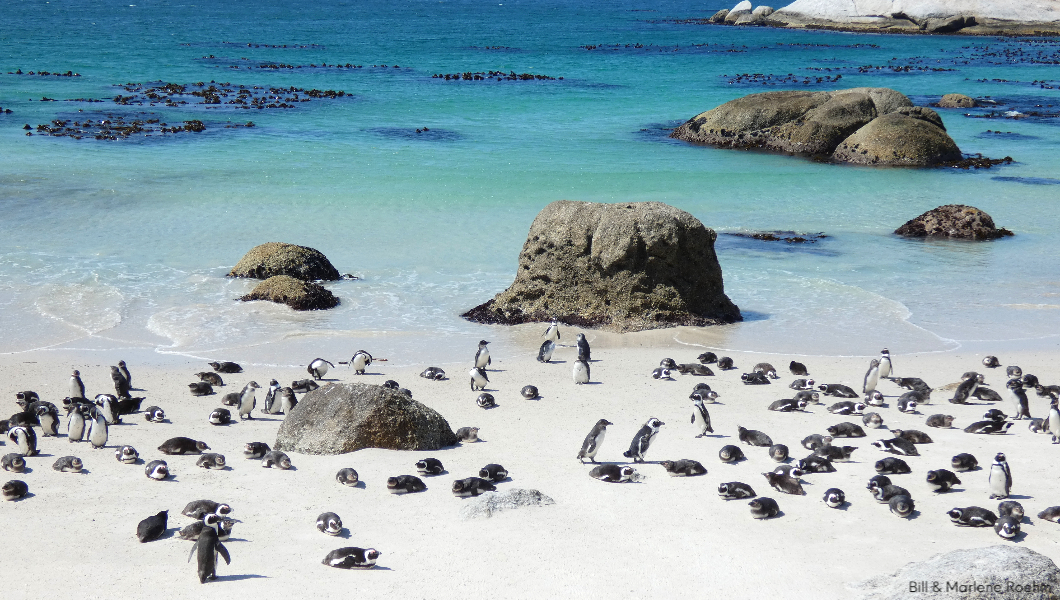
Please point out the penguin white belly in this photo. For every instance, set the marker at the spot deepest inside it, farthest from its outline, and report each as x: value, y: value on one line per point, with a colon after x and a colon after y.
x: 885, y: 367
x: 871, y: 380
x: 98, y: 435
x: 595, y: 447
x: 483, y: 359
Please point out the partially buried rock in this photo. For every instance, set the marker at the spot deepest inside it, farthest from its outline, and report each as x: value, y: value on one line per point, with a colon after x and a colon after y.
x: 624, y: 267
x: 299, y: 295
x: 956, y: 101
x: 877, y: 126
x: 345, y: 417
x: 275, y: 258
x: 953, y: 221
x: 991, y: 573
x: 487, y: 504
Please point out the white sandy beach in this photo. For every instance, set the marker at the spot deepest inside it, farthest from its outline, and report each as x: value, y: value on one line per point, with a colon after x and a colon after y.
x: 665, y: 537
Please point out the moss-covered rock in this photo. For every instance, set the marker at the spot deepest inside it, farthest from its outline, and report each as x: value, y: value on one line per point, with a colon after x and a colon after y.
x: 276, y: 258
x: 953, y: 221
x: 299, y: 295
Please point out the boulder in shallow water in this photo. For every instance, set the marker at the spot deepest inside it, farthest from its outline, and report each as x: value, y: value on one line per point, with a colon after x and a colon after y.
x: 344, y: 417
x: 719, y: 17
x: 953, y: 221
x: 484, y: 506
x: 276, y: 258
x: 898, y: 139
x: 623, y: 267
x: 299, y: 295
x: 875, y: 126
x: 735, y: 13
x: 956, y: 101
x: 999, y: 572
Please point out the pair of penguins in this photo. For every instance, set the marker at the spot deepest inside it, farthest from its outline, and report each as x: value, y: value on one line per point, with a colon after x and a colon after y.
x: 637, y: 448
x: 581, y: 365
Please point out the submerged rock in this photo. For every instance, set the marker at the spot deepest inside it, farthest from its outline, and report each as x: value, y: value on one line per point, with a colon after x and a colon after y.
x: 276, y: 258
x: 956, y: 101
x: 953, y: 221
x: 989, y: 573
x: 877, y: 126
x: 299, y: 295
x: 624, y: 267
x: 489, y: 503
x: 344, y: 417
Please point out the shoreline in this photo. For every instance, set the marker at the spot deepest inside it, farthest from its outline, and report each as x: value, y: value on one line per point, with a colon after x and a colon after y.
x: 665, y: 531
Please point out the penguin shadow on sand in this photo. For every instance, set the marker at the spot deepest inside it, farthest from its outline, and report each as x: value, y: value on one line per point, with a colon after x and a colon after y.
x: 224, y: 578
x: 26, y: 497
x: 262, y: 419
x: 913, y: 515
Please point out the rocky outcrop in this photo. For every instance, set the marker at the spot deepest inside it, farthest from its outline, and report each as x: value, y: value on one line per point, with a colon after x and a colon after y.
x: 993, y: 573
x: 624, y: 267
x: 953, y: 221
x: 344, y: 417
x: 299, y: 295
x: 956, y: 101
x: 877, y: 126
x: 275, y: 258
x: 484, y: 506
x: 981, y: 17
x: 898, y: 139
x: 742, y: 9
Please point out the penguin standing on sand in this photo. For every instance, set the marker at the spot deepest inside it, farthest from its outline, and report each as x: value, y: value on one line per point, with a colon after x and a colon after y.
x: 98, y: 435
x: 592, y: 442
x: 642, y: 441
x: 360, y: 361
x: 1000, y: 478
x: 479, y: 379
x: 75, y: 424
x: 319, y: 368
x: 482, y: 356
x: 1054, y: 421
x: 287, y: 400
x: 208, y: 547
x: 886, y: 366
x: 872, y: 377
x: 77, y: 387
x: 272, y: 398
x: 583, y: 348
x: 25, y: 439
x: 545, y: 353
x: 701, y: 418
x: 121, y: 385
x: 581, y: 371
x: 1018, y: 395
x: 552, y: 333
x: 124, y: 370
x: 247, y: 401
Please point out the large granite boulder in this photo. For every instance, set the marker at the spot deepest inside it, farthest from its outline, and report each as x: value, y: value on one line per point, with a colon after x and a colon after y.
x: 624, y: 267
x: 956, y: 101
x: 999, y: 572
x: 898, y: 139
x: 953, y: 221
x: 920, y: 16
x: 298, y: 294
x: 345, y: 417
x: 879, y: 120
x: 741, y: 9
x: 275, y: 258
x: 719, y: 17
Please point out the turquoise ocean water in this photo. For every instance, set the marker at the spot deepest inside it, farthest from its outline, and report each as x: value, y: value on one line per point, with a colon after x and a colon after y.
x: 124, y: 244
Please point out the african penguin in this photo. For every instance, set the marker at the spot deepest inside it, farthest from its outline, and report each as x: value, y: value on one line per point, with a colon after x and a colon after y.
x: 591, y: 445
x: 643, y: 439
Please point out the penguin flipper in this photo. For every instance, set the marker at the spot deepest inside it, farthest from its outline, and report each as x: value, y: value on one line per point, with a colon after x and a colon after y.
x: 224, y: 553
x: 693, y: 418
x: 194, y: 547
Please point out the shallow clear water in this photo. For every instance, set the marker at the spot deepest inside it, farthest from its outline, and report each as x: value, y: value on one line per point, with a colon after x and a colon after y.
x: 125, y: 243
